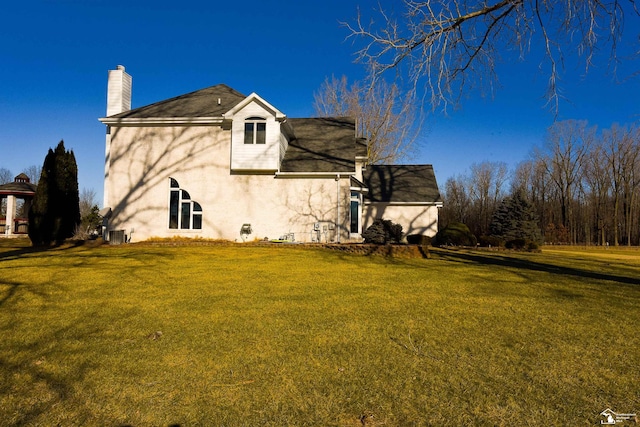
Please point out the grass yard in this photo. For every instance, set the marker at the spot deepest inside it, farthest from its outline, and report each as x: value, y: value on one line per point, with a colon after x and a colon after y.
x: 138, y: 335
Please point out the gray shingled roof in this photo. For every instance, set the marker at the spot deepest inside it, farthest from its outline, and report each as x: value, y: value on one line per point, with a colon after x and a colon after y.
x: 361, y: 147
x: 317, y: 145
x: 401, y: 184
x: 321, y: 145
x: 18, y: 188
x: 201, y: 103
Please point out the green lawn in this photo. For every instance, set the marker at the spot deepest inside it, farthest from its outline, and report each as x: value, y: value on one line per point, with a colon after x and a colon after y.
x: 276, y: 336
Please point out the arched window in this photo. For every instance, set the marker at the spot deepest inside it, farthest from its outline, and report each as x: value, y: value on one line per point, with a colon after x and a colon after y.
x: 255, y: 130
x: 184, y: 213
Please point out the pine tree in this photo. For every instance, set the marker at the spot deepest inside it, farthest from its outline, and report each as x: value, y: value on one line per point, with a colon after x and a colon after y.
x: 68, y: 213
x: 40, y: 227
x: 382, y: 232
x: 515, y: 218
x: 55, y: 212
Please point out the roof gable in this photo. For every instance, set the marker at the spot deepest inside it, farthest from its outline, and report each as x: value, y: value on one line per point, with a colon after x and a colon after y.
x: 401, y: 184
x: 213, y: 101
x: 254, y: 97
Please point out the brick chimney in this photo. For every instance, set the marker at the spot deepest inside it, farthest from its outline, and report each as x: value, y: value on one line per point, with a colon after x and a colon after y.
x: 118, y: 91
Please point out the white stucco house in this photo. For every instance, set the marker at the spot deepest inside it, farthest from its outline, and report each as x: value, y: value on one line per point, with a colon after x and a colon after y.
x: 217, y: 164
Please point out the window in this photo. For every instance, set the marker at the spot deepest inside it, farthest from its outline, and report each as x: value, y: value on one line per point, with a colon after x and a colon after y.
x: 255, y: 130
x: 355, y: 212
x: 197, y: 216
x: 184, y: 213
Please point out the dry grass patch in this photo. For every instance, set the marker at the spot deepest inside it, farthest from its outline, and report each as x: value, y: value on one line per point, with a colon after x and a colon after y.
x: 248, y: 335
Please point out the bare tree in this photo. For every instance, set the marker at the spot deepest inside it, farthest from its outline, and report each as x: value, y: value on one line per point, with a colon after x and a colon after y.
x: 625, y: 151
x: 522, y: 179
x: 87, y: 201
x: 33, y: 172
x: 457, y: 202
x: 597, y: 177
x: 454, y: 45
x: 567, y: 145
x: 5, y: 176
x: 487, y: 190
x: 385, y: 118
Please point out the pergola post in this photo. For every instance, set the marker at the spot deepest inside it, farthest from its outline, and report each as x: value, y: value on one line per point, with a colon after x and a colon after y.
x: 11, y: 215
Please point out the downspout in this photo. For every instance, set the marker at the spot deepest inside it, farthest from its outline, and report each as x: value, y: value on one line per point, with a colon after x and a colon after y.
x: 338, y: 208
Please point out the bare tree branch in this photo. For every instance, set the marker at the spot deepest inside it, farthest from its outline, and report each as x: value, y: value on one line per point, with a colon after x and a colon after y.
x: 450, y: 46
x: 385, y: 117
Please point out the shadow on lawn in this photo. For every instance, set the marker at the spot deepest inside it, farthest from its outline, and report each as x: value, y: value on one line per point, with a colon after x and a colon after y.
x: 37, y: 376
x: 24, y: 248
x: 525, y: 264
x: 20, y: 249
x: 131, y: 425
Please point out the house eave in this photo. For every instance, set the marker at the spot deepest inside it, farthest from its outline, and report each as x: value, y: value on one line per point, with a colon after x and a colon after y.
x: 359, y: 189
x: 162, y: 121
x: 17, y: 193
x: 314, y: 174
x: 436, y: 204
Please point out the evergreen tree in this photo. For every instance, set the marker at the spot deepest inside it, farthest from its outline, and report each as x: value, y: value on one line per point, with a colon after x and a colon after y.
x: 55, y: 212
x: 455, y: 234
x: 68, y: 213
x: 382, y: 232
x: 40, y: 227
x: 515, y: 218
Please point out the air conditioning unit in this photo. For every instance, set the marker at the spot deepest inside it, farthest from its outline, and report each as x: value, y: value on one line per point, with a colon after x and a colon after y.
x: 116, y: 237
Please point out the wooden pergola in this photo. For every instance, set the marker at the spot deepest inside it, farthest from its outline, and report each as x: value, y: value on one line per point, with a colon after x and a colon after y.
x: 20, y: 189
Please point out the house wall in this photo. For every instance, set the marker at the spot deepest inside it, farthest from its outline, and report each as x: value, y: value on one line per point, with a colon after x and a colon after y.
x: 415, y: 219
x: 143, y: 159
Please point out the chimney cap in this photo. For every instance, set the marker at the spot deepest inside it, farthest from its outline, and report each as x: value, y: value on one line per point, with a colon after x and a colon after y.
x: 120, y: 67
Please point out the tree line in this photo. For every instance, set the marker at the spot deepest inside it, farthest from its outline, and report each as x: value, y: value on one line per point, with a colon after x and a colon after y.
x: 583, y: 185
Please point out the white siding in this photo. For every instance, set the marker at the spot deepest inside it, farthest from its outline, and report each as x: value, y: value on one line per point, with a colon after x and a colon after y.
x: 118, y: 91
x: 255, y: 157
x: 284, y: 144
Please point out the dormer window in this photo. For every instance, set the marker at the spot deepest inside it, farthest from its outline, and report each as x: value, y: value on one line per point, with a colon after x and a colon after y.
x: 255, y: 130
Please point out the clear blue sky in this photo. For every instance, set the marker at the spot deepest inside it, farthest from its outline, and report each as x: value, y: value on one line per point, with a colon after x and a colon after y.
x: 55, y: 56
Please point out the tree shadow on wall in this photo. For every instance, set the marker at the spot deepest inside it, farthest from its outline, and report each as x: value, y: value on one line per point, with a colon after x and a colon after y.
x: 177, y: 150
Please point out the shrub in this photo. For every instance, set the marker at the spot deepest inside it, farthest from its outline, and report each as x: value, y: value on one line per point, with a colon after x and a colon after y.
x: 383, y: 231
x: 418, y: 239
x: 522, y: 244
x: 491, y: 241
x: 532, y: 246
x: 517, y: 244
x: 455, y: 234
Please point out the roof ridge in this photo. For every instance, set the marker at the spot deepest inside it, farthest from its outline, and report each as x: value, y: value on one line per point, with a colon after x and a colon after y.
x: 221, y: 87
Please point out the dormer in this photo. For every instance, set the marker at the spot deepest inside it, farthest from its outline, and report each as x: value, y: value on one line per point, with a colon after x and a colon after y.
x: 257, y: 141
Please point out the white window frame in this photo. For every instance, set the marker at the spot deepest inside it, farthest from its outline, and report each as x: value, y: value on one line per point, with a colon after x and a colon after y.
x: 254, y: 122
x: 355, y: 196
x: 181, y: 200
